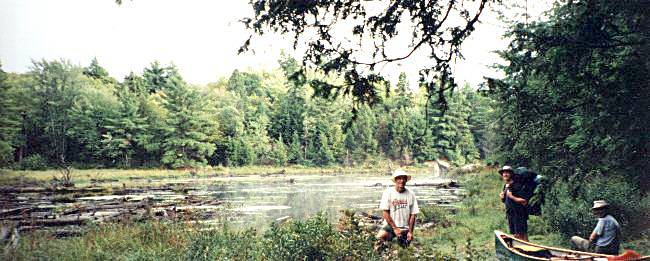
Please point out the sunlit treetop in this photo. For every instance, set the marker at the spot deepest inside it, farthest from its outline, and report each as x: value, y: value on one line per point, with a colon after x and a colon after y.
x: 354, y: 38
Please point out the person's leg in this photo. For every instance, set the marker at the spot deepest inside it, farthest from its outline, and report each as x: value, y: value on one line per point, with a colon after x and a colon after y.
x: 608, y: 250
x: 521, y: 236
x: 511, y: 224
x: 519, y: 227
x: 524, y: 228
x: 385, y: 233
x: 403, y: 242
x: 579, y: 243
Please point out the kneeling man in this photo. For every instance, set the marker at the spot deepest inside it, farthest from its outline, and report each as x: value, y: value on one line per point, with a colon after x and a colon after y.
x: 400, y: 208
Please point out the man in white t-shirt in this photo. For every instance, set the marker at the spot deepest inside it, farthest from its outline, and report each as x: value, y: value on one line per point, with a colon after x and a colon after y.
x: 400, y: 207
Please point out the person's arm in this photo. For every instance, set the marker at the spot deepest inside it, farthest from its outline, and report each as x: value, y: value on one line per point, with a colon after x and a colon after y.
x: 598, y: 230
x: 390, y: 222
x: 409, y: 235
x: 593, y: 237
x: 415, y: 210
x: 502, y: 195
x: 516, y: 199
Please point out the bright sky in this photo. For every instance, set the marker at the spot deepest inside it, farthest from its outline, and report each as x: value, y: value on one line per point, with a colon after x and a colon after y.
x: 200, y: 37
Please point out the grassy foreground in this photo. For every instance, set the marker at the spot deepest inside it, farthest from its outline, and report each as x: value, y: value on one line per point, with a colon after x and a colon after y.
x: 466, y: 235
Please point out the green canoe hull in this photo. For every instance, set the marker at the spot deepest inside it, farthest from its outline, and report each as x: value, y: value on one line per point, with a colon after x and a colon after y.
x: 509, y: 248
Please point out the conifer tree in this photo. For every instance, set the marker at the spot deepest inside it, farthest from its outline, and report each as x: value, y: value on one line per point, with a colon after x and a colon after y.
x: 295, y: 153
x: 361, y: 138
x: 289, y: 112
x: 95, y: 71
x: 126, y: 134
x: 321, y: 153
x: 278, y: 155
x: 190, y: 129
x: 156, y: 77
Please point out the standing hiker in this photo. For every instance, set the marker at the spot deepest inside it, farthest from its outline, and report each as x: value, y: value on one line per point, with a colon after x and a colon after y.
x: 605, y: 239
x: 513, y: 197
x: 400, y: 208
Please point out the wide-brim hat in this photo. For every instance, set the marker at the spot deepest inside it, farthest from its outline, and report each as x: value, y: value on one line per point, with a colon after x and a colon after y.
x: 599, y: 204
x: 400, y: 172
x: 506, y: 168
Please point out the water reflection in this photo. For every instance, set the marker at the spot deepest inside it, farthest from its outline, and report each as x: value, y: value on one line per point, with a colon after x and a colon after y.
x: 256, y: 201
x: 259, y: 201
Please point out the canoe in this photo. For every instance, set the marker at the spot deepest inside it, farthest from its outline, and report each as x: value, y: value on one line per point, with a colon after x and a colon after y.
x: 510, y: 248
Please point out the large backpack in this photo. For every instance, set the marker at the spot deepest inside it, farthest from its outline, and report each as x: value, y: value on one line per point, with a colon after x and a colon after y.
x: 533, y: 186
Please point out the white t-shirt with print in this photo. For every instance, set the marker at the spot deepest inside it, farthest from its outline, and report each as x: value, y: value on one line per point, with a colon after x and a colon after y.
x: 400, y: 205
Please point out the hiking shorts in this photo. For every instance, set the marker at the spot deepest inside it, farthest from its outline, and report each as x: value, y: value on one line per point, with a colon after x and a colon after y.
x: 391, y: 232
x: 518, y: 224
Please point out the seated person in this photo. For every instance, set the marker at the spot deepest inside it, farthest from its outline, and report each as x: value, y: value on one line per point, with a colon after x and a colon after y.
x: 605, y: 239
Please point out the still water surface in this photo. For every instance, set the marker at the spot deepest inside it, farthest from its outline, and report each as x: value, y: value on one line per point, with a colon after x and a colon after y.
x: 257, y: 201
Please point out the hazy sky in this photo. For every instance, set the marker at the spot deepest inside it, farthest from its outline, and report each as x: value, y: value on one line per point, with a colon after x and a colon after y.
x: 200, y: 37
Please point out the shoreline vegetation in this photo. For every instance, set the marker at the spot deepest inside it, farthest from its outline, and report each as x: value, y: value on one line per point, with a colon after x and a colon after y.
x: 84, y: 177
x: 465, y: 234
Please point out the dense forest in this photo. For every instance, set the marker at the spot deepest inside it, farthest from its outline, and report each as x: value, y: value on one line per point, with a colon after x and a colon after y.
x: 59, y: 113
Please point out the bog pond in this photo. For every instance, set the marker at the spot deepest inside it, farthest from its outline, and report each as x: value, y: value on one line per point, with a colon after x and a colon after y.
x: 243, y: 201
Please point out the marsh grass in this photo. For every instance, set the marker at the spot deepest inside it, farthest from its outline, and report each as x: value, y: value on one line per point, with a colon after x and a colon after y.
x: 113, y: 241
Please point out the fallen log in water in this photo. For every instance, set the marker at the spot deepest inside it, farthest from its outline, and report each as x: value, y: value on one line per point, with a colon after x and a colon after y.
x: 53, y: 222
x: 282, y: 219
x: 122, y: 191
x: 40, y: 208
x: 68, y: 232
x: 94, y: 208
x: 7, y: 190
x: 103, y: 180
x: 15, y: 211
x: 31, y: 215
x: 447, y: 184
x: 29, y: 228
x: 114, y: 205
x: 437, y: 184
x: 370, y: 216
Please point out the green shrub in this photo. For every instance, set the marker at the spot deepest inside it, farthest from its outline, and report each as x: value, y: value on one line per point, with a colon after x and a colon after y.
x: 436, y: 214
x: 311, y: 239
x: 354, y: 242
x: 224, y: 244
x: 32, y: 162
